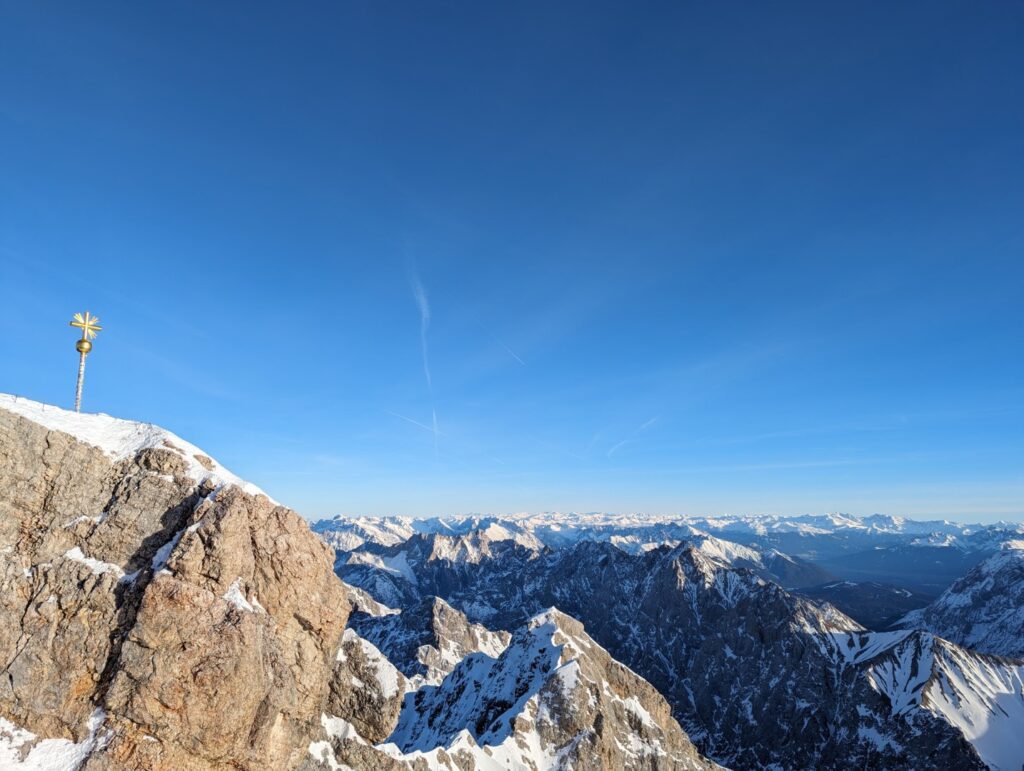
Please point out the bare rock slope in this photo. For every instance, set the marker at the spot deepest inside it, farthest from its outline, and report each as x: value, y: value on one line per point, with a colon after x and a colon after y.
x: 552, y: 699
x: 154, y: 612
x: 429, y: 639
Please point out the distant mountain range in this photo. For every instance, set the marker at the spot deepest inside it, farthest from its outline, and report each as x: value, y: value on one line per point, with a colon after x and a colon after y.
x: 812, y: 537
x: 924, y: 557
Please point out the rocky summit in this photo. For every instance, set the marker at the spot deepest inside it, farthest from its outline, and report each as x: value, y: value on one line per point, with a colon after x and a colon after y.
x: 160, y: 613
x: 156, y: 612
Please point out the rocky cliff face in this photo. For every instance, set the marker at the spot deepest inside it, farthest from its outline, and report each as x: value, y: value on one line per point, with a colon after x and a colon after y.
x: 153, y: 616
x: 428, y: 639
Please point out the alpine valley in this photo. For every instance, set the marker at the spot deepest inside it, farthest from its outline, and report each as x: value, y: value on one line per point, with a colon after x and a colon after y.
x: 160, y: 613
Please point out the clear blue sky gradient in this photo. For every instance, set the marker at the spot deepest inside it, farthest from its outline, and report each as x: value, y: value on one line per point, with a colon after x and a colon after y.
x: 667, y: 257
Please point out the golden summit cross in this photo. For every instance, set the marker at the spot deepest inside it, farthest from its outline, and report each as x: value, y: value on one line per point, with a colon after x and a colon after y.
x: 89, y: 325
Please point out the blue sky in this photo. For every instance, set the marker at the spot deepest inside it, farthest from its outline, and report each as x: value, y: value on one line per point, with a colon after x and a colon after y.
x: 436, y: 258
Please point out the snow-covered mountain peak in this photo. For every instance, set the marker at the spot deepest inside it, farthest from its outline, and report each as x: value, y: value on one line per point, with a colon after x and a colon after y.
x: 552, y: 699
x: 984, y: 610
x: 476, y: 545
x: 120, y: 439
x: 981, y: 696
x: 553, y: 623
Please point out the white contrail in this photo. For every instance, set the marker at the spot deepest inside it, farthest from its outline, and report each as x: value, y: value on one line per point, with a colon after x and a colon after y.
x: 639, y: 429
x: 511, y: 353
x: 421, y: 301
x: 646, y: 424
x: 424, y: 426
x: 616, y: 446
x: 420, y: 295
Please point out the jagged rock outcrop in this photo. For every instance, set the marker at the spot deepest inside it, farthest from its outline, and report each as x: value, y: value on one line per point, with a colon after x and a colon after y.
x: 427, y: 640
x: 372, y: 706
x: 155, y: 612
x: 550, y: 668
x: 553, y: 699
x: 984, y: 610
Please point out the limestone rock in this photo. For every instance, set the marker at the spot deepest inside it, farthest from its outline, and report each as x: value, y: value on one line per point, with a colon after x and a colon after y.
x: 553, y: 692
x: 372, y: 706
x: 144, y: 584
x: 427, y: 640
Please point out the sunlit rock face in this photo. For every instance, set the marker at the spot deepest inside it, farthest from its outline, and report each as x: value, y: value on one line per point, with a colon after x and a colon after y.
x: 156, y: 612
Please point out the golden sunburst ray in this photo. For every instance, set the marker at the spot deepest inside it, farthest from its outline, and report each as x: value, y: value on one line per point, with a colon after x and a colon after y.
x: 88, y: 323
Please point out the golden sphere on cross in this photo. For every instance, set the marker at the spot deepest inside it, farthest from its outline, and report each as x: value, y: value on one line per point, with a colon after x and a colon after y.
x: 83, y: 346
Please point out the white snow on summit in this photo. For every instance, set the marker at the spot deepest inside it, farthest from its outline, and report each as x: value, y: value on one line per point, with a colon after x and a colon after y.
x: 120, y: 439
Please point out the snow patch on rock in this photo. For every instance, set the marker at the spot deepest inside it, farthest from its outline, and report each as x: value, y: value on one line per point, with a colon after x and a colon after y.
x: 120, y: 439
x: 97, y: 567
x: 48, y: 754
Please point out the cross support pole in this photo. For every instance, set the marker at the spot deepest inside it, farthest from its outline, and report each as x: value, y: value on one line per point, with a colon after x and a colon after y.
x: 81, y: 379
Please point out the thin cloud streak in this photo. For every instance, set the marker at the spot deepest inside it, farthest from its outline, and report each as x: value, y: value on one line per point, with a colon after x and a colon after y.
x: 434, y: 430
x: 616, y: 446
x: 638, y: 430
x: 511, y: 353
x: 647, y: 424
x: 420, y: 295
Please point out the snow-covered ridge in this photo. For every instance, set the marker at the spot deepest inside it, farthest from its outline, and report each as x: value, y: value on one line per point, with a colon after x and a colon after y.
x: 981, y: 696
x: 120, y: 439
x: 984, y: 610
x: 512, y: 705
